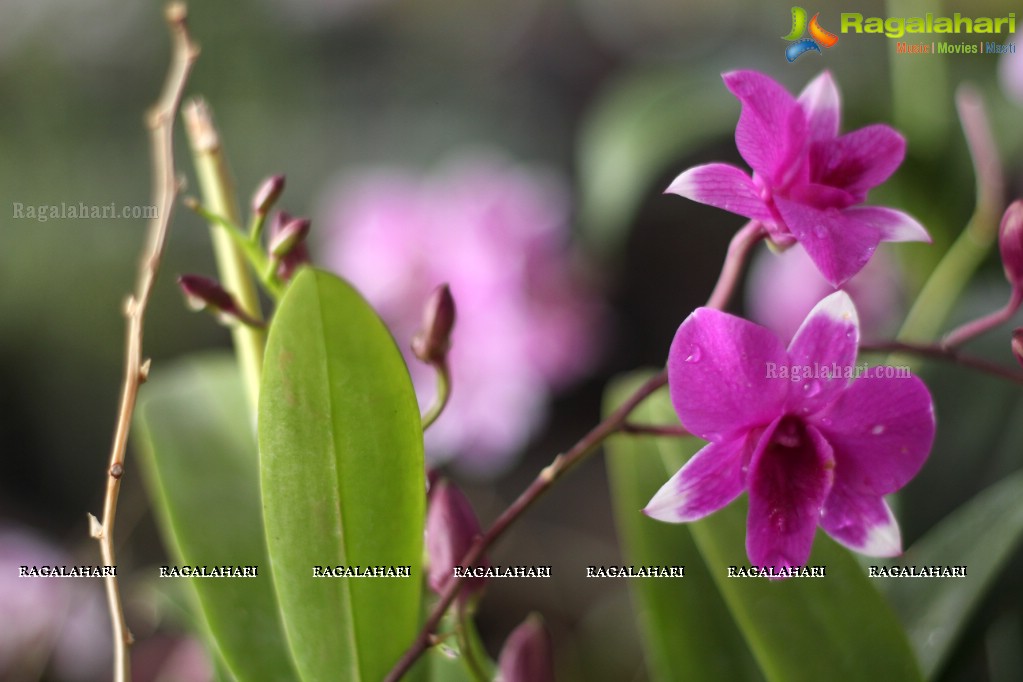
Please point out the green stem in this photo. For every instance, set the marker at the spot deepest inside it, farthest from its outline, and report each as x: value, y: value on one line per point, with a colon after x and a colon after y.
x: 465, y: 627
x: 219, y: 196
x: 265, y: 268
x: 443, y: 393
x: 957, y: 266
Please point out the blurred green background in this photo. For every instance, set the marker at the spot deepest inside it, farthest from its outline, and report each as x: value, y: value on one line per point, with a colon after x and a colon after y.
x: 619, y: 97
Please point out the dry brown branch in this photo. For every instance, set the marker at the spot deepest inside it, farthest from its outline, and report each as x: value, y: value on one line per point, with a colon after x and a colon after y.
x: 160, y: 122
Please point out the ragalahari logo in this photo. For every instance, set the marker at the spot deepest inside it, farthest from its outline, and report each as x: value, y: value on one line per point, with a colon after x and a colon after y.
x: 818, y: 35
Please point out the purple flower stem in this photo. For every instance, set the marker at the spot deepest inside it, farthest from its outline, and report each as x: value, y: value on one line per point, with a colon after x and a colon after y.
x: 948, y: 354
x: 738, y: 251
x: 964, y: 333
x: 665, y: 430
x: 561, y: 464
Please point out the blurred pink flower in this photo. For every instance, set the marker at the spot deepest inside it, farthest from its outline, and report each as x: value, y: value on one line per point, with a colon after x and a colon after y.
x: 784, y: 287
x: 497, y: 233
x: 54, y: 624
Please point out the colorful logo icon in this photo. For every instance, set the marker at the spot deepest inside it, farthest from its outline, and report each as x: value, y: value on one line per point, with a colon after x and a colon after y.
x: 818, y: 35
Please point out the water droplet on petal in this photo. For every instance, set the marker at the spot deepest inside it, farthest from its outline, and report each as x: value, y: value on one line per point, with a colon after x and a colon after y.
x: 878, y: 429
x: 694, y: 354
x: 776, y: 517
x: 812, y: 388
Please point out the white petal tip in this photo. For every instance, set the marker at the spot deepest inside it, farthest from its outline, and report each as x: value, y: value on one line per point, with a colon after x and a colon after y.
x: 684, y: 185
x: 838, y: 307
x: 905, y: 229
x: 883, y: 540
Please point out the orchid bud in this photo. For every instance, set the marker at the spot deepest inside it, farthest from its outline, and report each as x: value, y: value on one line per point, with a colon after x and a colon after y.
x: 451, y: 528
x: 267, y: 195
x: 1010, y: 243
x: 298, y: 254
x: 527, y: 655
x: 203, y: 293
x: 289, y: 236
x: 1017, y: 345
x: 433, y: 341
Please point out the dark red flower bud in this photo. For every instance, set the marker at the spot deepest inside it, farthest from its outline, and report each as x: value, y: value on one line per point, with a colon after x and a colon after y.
x: 203, y: 293
x: 290, y: 235
x: 433, y: 341
x: 1017, y: 345
x: 267, y: 194
x: 451, y: 528
x: 286, y: 232
x: 1010, y: 243
x: 527, y: 655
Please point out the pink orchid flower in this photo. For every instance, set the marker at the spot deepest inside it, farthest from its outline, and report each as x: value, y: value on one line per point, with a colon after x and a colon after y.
x: 811, y: 445
x: 808, y: 181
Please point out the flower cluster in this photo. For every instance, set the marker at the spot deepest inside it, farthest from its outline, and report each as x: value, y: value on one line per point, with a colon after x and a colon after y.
x: 821, y: 450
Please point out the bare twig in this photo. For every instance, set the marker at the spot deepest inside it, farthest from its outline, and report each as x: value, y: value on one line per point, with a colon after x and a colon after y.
x: 160, y: 122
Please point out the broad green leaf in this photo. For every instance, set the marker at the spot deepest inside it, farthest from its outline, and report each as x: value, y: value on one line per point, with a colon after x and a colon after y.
x: 687, y: 631
x: 982, y: 535
x: 199, y: 457
x: 341, y: 459
x: 643, y: 121
x: 836, y: 627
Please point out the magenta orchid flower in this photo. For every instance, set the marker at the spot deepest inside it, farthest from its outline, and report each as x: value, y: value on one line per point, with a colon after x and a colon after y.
x: 808, y: 180
x: 809, y: 444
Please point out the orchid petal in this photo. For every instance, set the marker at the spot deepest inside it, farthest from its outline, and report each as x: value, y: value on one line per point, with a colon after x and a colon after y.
x: 719, y: 374
x: 790, y: 476
x: 881, y: 430
x: 860, y: 160
x: 722, y: 186
x: 824, y: 349
x: 839, y: 244
x: 822, y: 105
x: 894, y: 226
x: 862, y: 523
x: 706, y: 483
x: 771, y: 132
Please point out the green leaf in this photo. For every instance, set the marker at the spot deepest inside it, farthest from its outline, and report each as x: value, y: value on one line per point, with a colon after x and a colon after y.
x: 835, y: 627
x: 198, y: 455
x: 687, y: 631
x: 341, y: 458
x: 642, y: 122
x: 982, y: 535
